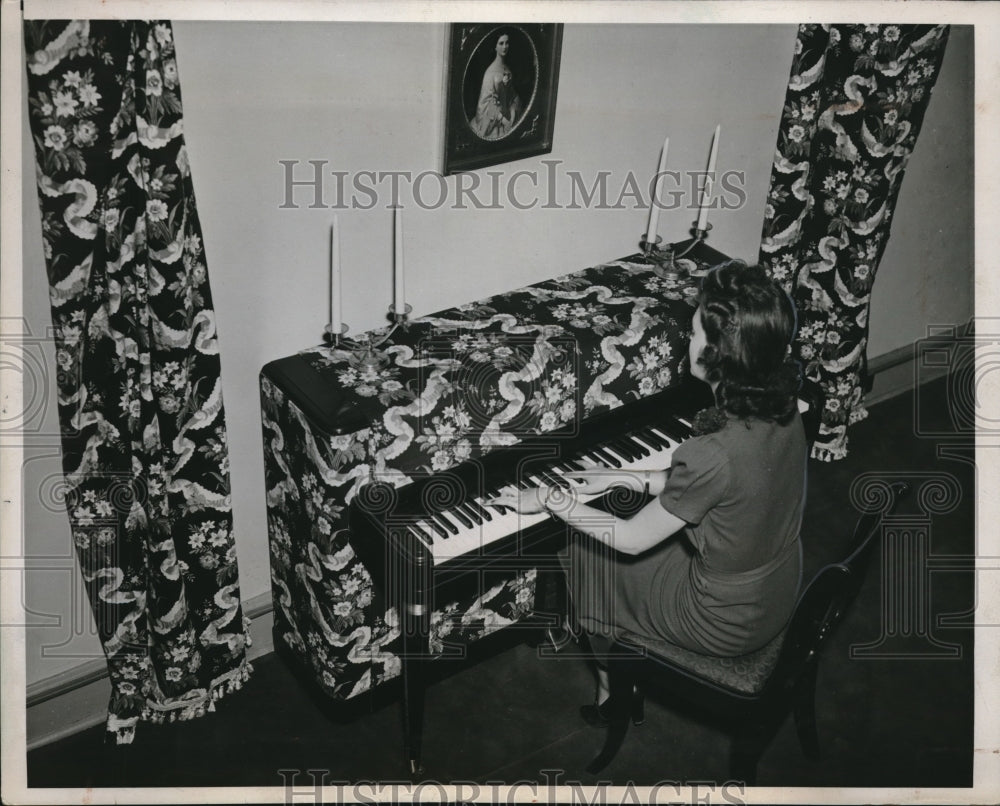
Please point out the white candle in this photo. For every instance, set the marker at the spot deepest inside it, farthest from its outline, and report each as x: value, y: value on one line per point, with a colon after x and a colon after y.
x: 336, y: 311
x: 399, y: 302
x: 706, y: 195
x: 654, y: 209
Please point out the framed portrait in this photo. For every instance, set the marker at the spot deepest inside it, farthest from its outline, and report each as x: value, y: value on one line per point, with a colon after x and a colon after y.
x: 501, y: 93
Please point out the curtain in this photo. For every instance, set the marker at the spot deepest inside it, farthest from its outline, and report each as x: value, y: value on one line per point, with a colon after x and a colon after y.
x: 144, y: 445
x: 855, y: 103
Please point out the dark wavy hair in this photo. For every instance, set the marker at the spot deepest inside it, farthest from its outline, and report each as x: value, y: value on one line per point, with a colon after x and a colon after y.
x: 749, y: 324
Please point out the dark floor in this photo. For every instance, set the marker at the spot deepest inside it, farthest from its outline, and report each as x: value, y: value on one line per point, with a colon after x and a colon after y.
x: 883, y: 721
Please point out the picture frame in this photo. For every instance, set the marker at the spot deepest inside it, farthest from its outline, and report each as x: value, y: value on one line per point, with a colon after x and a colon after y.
x: 502, y: 81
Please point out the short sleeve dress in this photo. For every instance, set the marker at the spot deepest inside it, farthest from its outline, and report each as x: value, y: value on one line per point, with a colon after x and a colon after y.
x: 727, y: 583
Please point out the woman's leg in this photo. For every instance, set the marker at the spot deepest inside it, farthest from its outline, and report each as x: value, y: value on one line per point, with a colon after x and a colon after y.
x: 600, y: 646
x: 590, y: 575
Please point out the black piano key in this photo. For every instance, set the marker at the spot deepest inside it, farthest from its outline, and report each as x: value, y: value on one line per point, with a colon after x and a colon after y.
x: 573, y: 467
x: 612, y: 452
x: 673, y: 429
x: 483, y: 512
x: 537, y: 480
x: 460, y: 516
x: 470, y: 512
x: 421, y: 534
x: 437, y: 527
x: 645, y: 442
x: 637, y: 446
x: 571, y: 484
x: 441, y: 520
x: 623, y: 449
x: 499, y: 507
x: 553, y: 479
x: 648, y: 434
x: 617, y: 454
x: 448, y: 516
x: 567, y: 483
x: 489, y: 495
x: 606, y: 457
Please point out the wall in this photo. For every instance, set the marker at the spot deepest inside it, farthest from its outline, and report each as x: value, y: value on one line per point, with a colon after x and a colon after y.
x: 925, y: 277
x: 255, y: 94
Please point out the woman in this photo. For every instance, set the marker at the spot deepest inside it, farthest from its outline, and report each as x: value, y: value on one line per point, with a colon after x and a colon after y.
x: 713, y: 562
x: 499, y: 105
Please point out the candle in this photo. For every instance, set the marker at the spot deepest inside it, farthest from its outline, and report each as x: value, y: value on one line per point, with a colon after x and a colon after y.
x: 706, y: 194
x: 336, y: 313
x: 399, y: 303
x: 654, y: 209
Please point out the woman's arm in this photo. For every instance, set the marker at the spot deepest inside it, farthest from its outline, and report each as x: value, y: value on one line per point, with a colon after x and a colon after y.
x: 650, y: 526
x: 597, y: 480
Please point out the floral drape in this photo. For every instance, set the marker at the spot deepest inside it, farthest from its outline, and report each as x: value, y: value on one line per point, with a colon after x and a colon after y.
x: 140, y: 403
x: 855, y: 103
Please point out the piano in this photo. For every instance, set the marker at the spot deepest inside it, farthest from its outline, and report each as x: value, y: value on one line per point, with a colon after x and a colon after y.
x: 432, y: 540
x: 446, y: 525
x: 379, y: 474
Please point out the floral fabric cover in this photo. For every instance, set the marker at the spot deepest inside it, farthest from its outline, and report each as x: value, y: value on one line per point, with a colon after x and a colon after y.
x: 449, y: 388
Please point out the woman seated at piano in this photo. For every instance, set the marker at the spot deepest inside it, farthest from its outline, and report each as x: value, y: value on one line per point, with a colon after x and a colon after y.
x: 713, y: 562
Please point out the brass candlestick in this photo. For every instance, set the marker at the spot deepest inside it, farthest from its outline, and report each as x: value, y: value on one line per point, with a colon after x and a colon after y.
x: 665, y: 259
x: 364, y: 352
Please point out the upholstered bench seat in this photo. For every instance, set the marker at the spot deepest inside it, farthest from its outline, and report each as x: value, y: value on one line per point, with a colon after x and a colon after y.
x: 745, y: 674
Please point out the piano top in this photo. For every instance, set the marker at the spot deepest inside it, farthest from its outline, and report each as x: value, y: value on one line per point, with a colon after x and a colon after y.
x: 534, y: 362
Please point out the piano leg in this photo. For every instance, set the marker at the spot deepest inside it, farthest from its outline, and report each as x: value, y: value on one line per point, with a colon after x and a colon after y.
x: 413, y: 572
x: 415, y: 629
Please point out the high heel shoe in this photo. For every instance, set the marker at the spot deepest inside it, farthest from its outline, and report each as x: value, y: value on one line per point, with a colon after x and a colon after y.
x: 598, y: 716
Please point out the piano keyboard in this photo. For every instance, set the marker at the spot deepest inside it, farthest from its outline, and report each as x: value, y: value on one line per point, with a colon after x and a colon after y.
x: 470, y: 526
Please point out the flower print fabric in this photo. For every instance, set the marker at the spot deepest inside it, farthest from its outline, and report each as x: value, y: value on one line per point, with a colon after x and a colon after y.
x: 855, y: 104
x: 144, y: 444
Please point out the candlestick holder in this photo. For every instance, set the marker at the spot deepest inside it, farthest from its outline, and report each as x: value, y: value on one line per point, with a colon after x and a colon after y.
x: 668, y: 261
x: 400, y: 318
x: 650, y: 248
x: 333, y: 336
x: 364, y: 351
x: 700, y: 234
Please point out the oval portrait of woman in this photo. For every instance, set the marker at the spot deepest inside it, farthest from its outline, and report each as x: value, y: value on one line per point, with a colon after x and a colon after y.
x: 500, y: 82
